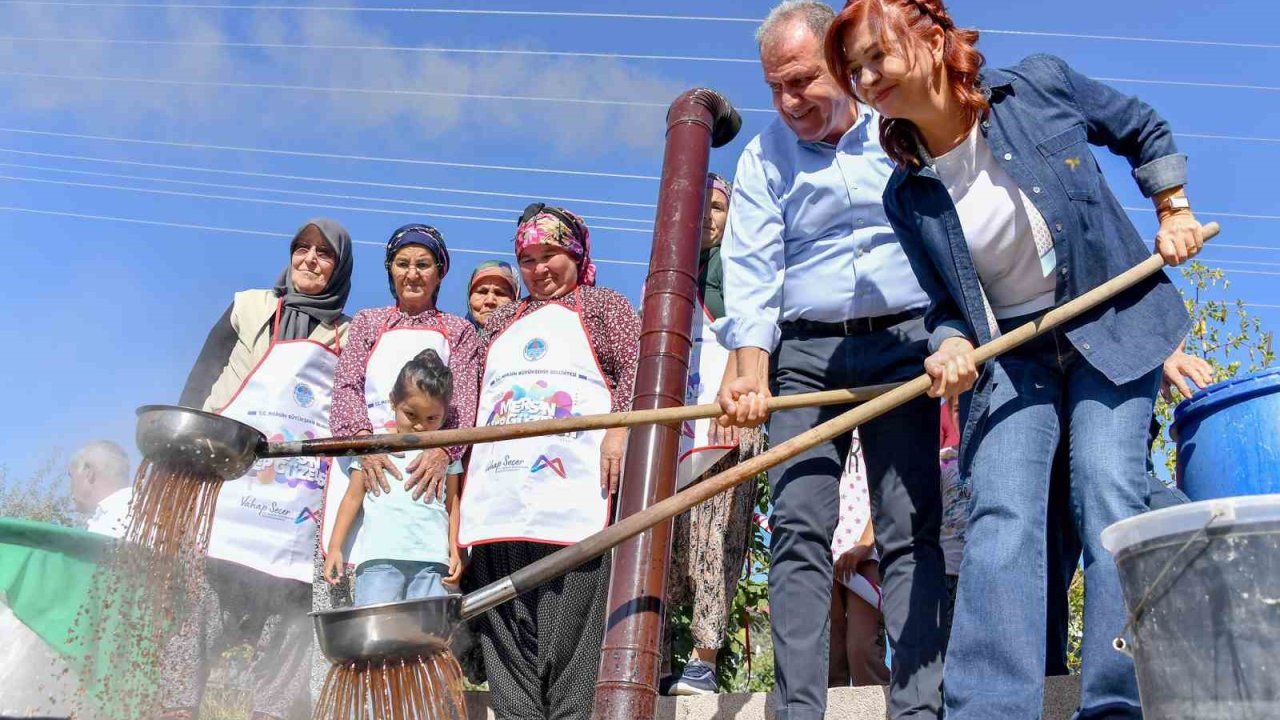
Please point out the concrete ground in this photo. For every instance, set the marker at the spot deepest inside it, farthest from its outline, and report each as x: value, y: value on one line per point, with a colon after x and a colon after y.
x: 1062, y: 695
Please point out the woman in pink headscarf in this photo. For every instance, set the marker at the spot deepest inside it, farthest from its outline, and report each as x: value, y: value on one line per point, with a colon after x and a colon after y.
x: 568, y: 348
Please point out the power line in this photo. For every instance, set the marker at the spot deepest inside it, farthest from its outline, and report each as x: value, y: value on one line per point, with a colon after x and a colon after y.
x: 357, y: 90
x: 376, y: 9
x: 1132, y: 38
x: 1272, y: 248
x: 399, y: 160
x: 384, y: 48
x: 261, y: 233
x: 1245, y: 216
x: 1252, y: 272
x: 1250, y: 263
x: 329, y: 156
x: 1190, y: 83
x: 264, y: 201
x: 604, y: 16
x: 258, y: 188
x: 200, y: 146
x: 312, y: 178
x: 404, y: 92
x: 1243, y: 138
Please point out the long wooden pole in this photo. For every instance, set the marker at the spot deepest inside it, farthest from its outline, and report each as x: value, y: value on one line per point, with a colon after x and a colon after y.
x: 570, y: 557
x: 398, y: 442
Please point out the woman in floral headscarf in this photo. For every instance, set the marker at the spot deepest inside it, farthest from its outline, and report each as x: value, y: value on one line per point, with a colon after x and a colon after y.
x: 567, y: 348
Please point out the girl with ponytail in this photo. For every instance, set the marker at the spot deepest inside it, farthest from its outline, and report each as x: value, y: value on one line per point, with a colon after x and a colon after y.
x: 1003, y: 212
x: 404, y: 548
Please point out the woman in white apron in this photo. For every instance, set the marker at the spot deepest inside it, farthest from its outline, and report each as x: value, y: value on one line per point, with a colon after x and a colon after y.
x: 568, y: 348
x: 269, y: 362
x: 709, y: 543
x: 384, y: 339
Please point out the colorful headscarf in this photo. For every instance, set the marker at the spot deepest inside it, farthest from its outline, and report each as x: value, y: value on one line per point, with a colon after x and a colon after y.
x: 543, y: 225
x: 417, y: 234
x: 717, y: 182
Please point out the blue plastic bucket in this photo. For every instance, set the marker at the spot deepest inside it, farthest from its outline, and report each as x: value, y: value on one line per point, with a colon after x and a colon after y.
x: 1202, y: 585
x: 1229, y: 438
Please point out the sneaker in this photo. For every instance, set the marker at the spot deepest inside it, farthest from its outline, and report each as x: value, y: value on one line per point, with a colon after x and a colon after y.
x: 698, y: 678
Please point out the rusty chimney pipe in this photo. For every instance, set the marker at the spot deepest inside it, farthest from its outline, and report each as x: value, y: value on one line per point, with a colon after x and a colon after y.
x: 697, y: 121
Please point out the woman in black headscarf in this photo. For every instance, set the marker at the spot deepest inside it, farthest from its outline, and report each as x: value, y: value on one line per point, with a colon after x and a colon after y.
x: 269, y: 362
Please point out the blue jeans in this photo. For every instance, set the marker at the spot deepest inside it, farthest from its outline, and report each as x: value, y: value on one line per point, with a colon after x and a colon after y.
x: 382, y: 581
x: 996, y: 656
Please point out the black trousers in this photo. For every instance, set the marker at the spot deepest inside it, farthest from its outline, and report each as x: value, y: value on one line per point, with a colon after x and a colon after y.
x: 542, y: 649
x: 901, y: 453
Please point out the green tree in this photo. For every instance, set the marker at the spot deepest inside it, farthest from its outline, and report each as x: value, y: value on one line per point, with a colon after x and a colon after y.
x: 1224, y: 333
x: 43, y: 496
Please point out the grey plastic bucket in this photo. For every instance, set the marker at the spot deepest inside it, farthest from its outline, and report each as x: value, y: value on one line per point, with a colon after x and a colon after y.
x: 1202, y: 584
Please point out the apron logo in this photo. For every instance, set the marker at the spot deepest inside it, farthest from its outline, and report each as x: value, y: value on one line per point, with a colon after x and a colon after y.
x: 535, y: 349
x: 543, y: 462
x: 307, y: 514
x: 1072, y: 162
x: 303, y: 395
x: 538, y: 402
x: 506, y: 464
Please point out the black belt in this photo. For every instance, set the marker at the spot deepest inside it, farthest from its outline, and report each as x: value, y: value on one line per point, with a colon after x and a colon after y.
x: 852, y: 326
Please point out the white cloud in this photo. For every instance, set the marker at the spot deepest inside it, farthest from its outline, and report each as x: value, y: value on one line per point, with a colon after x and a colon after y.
x: 126, y: 107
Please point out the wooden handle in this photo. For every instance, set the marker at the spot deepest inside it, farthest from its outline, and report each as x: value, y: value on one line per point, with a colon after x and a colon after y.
x: 563, y: 561
x: 399, y: 442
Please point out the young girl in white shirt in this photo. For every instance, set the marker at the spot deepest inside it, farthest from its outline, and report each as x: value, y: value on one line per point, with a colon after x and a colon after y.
x: 408, y: 548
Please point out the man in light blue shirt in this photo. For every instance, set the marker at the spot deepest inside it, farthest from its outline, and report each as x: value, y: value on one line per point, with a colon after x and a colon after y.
x: 819, y: 295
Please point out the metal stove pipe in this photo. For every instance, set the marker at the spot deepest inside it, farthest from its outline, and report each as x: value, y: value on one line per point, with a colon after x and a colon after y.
x: 697, y: 121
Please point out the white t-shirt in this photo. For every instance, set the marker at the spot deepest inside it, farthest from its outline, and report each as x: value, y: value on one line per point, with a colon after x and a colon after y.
x: 1009, y: 241
x: 111, y: 517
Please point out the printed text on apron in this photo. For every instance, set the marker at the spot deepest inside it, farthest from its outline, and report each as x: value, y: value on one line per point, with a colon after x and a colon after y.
x: 544, y: 489
x: 266, y: 520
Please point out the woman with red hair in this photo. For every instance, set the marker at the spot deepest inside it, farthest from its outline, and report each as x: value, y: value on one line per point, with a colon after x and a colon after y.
x: 1004, y: 213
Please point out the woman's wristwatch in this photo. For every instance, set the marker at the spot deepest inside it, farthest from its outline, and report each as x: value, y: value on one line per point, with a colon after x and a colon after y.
x: 1172, y: 204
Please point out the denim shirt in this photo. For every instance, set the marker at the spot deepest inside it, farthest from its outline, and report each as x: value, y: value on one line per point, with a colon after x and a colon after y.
x: 1042, y: 120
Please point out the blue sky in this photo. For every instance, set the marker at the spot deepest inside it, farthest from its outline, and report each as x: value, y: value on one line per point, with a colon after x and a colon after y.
x: 102, y: 316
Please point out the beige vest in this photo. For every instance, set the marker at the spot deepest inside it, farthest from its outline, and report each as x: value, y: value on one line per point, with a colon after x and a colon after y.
x: 252, y: 312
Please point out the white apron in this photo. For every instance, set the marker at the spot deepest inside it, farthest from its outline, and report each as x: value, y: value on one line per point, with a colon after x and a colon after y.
x: 543, y: 489
x: 266, y: 520
x: 707, y: 361
x: 394, y: 348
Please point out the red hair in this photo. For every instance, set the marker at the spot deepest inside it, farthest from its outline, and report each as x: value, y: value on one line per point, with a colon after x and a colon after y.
x: 908, y: 21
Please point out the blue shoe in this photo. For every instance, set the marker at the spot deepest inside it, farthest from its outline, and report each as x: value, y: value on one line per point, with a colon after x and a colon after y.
x: 698, y: 678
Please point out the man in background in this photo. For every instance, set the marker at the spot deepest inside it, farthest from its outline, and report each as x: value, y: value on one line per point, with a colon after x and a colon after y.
x: 100, y: 486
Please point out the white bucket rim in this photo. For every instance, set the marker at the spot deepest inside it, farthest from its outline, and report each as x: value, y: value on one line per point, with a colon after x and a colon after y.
x: 1190, y: 517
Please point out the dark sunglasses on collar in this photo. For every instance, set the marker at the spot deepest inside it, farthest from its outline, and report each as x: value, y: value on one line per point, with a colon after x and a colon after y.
x: 575, y: 226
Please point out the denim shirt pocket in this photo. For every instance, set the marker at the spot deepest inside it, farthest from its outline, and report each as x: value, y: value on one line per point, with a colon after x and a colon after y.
x: 1068, y: 154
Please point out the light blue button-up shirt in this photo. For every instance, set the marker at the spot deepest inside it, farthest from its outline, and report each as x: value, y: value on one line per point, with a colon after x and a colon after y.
x: 807, y: 236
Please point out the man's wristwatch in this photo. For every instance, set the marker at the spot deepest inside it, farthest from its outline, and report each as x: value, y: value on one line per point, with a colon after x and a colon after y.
x: 1172, y: 203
